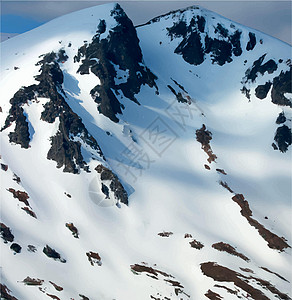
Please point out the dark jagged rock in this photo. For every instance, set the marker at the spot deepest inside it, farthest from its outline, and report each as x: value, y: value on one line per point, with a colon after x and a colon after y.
x: 115, y: 185
x: 73, y: 229
x: 33, y: 281
x: 121, y: 49
x: 196, y: 244
x: 191, y: 47
x: 5, y: 293
x: 94, y: 258
x: 57, y: 287
x: 6, y: 234
x: 235, y: 41
x: 252, y: 41
x: 20, y: 135
x: 257, y: 67
x: 50, y: 252
x: 29, y: 212
x: 21, y: 196
x: 105, y: 190
x: 15, y: 247
x: 282, y: 84
x: 281, y: 118
x: 178, y: 95
x: 229, y: 249
x: 64, y: 150
x: 221, y: 274
x: 204, y: 137
x: 283, y: 138
x: 261, y: 91
x: 221, y: 51
x: 4, y: 167
x: 273, y: 240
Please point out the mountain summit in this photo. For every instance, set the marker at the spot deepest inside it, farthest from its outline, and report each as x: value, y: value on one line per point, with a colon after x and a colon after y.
x: 147, y: 162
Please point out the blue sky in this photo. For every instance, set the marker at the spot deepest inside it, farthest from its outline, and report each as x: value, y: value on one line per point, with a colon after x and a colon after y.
x: 271, y: 17
x: 17, y: 24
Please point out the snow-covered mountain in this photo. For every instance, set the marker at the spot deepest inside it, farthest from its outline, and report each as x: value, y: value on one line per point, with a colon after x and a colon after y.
x: 145, y: 163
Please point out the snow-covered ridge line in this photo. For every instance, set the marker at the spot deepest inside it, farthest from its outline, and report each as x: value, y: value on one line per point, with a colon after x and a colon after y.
x: 180, y: 185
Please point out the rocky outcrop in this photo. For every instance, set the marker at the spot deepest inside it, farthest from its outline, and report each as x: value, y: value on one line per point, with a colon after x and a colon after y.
x: 106, y: 56
x: 94, y: 258
x: 157, y: 274
x: 33, y: 281
x: 261, y: 91
x: 204, y: 137
x: 282, y: 84
x: 5, y: 293
x: 52, y: 253
x: 229, y: 249
x: 6, y: 233
x: 16, y: 248
x: 259, y: 68
x: 115, y: 185
x: 283, y: 138
x: 196, y: 244
x: 196, y: 42
x: 73, y: 229
x: 66, y: 144
x: 274, y: 241
x: 252, y: 41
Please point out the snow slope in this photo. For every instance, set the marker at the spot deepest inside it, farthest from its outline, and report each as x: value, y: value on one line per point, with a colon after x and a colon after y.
x: 178, y: 208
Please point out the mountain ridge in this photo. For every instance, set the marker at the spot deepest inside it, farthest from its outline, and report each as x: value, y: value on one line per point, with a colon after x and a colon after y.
x: 177, y: 184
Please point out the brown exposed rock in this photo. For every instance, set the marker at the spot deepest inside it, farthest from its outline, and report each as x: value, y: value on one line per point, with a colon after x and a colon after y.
x: 267, y: 285
x: 52, y: 253
x: 221, y: 274
x: 246, y: 270
x: 274, y: 241
x: 225, y: 185
x: 212, y: 295
x: 5, y: 293
x: 154, y: 273
x: 204, y: 137
x: 53, y: 296
x: 32, y: 281
x: 281, y: 277
x: 21, y: 196
x: 230, y: 291
x: 73, y: 229
x: 4, y: 167
x: 229, y: 249
x: 165, y: 233
x: 16, y: 178
x: 188, y: 235
x: 6, y: 234
x: 94, y: 258
x: 57, y: 287
x: 196, y: 244
x: 221, y: 171
x: 83, y: 297
x: 145, y: 269
x: 31, y: 248
x: 207, y: 167
x: 29, y: 211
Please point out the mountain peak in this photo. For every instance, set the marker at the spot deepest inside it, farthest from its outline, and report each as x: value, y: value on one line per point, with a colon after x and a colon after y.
x: 145, y: 151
